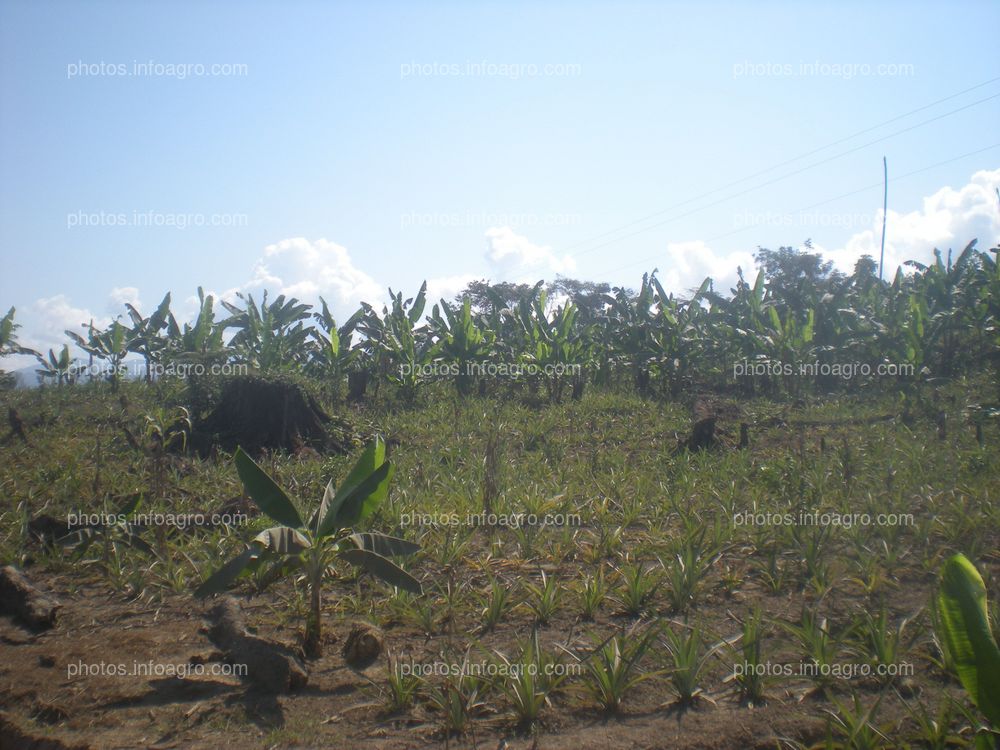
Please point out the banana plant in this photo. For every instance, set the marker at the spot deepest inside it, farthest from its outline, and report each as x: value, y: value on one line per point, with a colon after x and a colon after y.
x: 790, y: 341
x: 679, y: 334
x: 271, y: 337
x: 202, y: 340
x: 332, y: 353
x: 8, y: 336
x: 112, y: 345
x: 970, y: 641
x: 901, y: 324
x: 405, y: 345
x: 459, y: 341
x: 987, y: 309
x: 557, y: 346
x: 56, y: 367
x: 145, y: 334
x: 630, y: 336
x: 311, y: 549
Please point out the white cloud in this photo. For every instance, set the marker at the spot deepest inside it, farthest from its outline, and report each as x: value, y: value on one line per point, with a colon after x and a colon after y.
x: 687, y: 264
x: 51, y: 317
x: 121, y: 295
x: 306, y: 269
x: 948, y: 219
x: 447, y: 287
x: 513, y: 253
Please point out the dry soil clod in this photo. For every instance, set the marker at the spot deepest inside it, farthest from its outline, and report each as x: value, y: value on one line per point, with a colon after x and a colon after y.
x: 270, y: 666
x: 22, y: 600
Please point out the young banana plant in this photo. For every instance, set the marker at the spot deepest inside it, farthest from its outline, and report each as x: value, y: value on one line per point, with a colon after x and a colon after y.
x: 967, y: 635
x: 8, y: 336
x: 112, y: 344
x: 332, y: 353
x: 201, y: 339
x: 145, y: 333
x: 459, y: 340
x: 270, y: 337
x: 311, y: 549
x: 405, y: 344
x: 56, y: 367
x: 630, y: 334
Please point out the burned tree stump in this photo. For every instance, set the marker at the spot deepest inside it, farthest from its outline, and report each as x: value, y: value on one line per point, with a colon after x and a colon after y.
x: 258, y: 413
x: 702, y: 436
x: 357, y: 385
x: 270, y: 666
x: 26, y: 603
x: 16, y: 426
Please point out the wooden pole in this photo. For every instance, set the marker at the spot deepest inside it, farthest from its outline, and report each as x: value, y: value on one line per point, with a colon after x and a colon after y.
x: 885, y: 208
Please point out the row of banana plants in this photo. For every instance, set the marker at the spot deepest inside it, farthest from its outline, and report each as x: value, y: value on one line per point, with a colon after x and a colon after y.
x: 935, y: 320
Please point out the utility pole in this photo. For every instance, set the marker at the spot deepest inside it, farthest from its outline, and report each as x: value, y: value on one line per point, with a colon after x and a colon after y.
x: 885, y: 207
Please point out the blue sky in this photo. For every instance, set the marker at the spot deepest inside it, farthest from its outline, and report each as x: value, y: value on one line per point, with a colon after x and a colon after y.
x: 357, y: 146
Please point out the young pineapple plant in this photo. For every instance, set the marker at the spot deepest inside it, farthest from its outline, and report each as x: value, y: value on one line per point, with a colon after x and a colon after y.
x: 613, y: 667
x: 545, y: 599
x: 592, y: 593
x: 750, y: 676
x: 528, y: 680
x: 311, y: 549
x: 686, y: 662
x: 638, y: 585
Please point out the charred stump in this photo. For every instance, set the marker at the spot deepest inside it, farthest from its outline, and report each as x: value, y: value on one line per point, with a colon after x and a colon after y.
x: 258, y: 413
x: 357, y: 385
x: 702, y: 436
x: 16, y: 426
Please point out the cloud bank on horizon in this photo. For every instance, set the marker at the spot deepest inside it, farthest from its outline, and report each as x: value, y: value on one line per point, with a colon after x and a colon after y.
x: 308, y: 269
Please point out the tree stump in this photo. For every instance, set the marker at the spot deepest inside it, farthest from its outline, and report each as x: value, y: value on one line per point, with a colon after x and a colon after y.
x: 258, y: 413
x: 702, y: 436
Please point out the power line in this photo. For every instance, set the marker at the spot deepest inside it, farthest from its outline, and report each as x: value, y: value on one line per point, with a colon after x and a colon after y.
x: 781, y: 164
x: 816, y: 205
x: 786, y: 176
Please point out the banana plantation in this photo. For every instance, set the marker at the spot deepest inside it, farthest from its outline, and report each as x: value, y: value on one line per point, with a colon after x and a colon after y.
x: 554, y: 340
x: 558, y: 515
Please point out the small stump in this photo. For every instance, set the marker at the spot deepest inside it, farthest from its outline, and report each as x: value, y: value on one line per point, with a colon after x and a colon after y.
x: 363, y: 646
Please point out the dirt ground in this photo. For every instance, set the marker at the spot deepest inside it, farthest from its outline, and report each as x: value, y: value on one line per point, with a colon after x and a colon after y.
x: 61, y: 691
